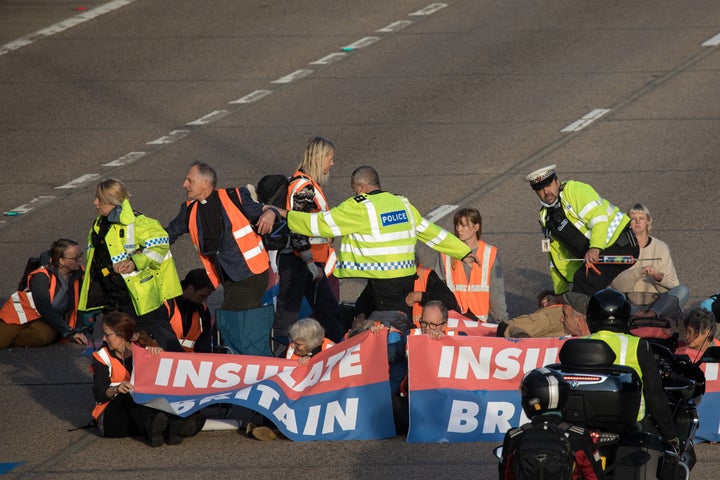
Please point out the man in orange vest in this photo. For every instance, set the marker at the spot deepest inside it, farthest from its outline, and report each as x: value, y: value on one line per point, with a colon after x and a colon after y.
x: 219, y: 223
x: 188, y: 315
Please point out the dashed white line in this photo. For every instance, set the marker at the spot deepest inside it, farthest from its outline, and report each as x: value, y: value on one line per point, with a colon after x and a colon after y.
x: 328, y: 59
x: 252, y: 97
x: 125, y: 159
x: 291, y: 77
x: 711, y: 42
x: 64, y: 25
x: 586, y: 120
x: 362, y: 43
x: 429, y: 10
x: 395, y: 26
x: 173, y: 136
x: 440, y: 212
x: 35, y: 202
x: 79, y: 181
x: 209, y: 118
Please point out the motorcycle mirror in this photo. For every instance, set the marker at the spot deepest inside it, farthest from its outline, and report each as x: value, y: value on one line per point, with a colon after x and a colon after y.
x: 497, y: 451
x: 711, y: 355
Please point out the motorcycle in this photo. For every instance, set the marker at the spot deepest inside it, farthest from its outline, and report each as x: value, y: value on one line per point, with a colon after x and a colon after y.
x: 605, y: 399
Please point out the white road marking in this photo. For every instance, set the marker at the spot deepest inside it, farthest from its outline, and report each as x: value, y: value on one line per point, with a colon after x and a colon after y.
x: 586, y: 120
x: 440, y: 212
x: 125, y: 159
x: 363, y: 42
x: 79, y: 181
x: 64, y: 25
x: 252, y: 97
x: 328, y: 59
x: 209, y: 118
x: 291, y: 77
x: 173, y: 136
x: 395, y: 26
x: 429, y: 10
x: 711, y: 42
x: 35, y: 202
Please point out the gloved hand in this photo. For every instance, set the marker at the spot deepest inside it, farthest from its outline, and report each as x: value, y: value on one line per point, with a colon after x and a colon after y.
x: 315, y: 271
x: 675, y: 444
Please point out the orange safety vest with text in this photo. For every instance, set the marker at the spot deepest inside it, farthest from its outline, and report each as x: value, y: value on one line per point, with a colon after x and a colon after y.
x: 118, y: 374
x: 20, y: 307
x: 187, y: 341
x: 321, y: 248
x: 473, y: 294
x: 248, y: 241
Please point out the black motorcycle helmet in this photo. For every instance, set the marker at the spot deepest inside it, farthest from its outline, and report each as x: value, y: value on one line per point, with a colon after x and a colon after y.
x: 542, y: 390
x: 608, y: 309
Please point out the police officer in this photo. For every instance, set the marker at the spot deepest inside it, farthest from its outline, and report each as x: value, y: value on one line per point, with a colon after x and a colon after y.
x: 608, y: 314
x: 379, y: 231
x: 579, y: 224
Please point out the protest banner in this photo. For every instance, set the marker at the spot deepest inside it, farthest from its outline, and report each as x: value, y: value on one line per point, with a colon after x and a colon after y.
x: 341, y: 394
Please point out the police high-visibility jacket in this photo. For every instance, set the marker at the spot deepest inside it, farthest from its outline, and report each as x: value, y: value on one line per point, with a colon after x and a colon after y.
x: 187, y: 340
x: 625, y: 348
x: 321, y: 248
x: 420, y: 286
x: 21, y: 308
x: 596, y: 218
x: 472, y: 294
x: 379, y: 231
x: 290, y: 353
x: 248, y: 241
x: 118, y: 374
x: 143, y: 240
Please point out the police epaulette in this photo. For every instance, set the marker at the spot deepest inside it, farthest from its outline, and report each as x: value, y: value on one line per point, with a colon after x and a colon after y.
x: 515, y: 432
x: 577, y: 429
x: 359, y: 198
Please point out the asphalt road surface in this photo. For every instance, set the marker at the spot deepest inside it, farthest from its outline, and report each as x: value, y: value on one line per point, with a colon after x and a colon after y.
x: 452, y: 102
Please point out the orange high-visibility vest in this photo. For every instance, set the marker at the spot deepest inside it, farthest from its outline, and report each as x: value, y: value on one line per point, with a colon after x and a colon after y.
x: 187, y: 341
x: 20, y: 307
x: 321, y: 248
x: 473, y: 294
x: 420, y: 286
x: 291, y: 355
x: 118, y: 374
x: 248, y: 241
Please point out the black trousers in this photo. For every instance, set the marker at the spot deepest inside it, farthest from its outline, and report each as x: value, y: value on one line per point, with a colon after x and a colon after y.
x: 295, y: 283
x: 390, y: 293
x: 590, y: 282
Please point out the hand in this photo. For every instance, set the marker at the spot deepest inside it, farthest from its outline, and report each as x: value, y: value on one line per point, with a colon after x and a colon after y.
x: 470, y: 259
x: 281, y: 211
x: 125, y: 387
x: 412, y: 298
x: 154, y: 350
x: 592, y: 255
x: 435, y: 334
x: 265, y: 222
x: 80, y: 338
x: 653, y: 272
x: 124, y: 266
x: 315, y: 271
x: 303, y: 360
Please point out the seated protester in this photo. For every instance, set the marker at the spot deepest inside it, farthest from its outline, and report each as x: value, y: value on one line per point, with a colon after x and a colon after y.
x: 545, y: 322
x: 189, y: 318
x: 433, y: 321
x: 428, y: 286
x: 567, y: 450
x: 574, y: 314
x: 653, y: 275
x: 307, y: 338
x: 54, y: 289
x: 700, y: 330
x: 115, y: 412
x: 479, y: 288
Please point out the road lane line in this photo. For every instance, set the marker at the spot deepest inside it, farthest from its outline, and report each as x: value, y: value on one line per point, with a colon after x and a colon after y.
x: 172, y: 137
x: 586, y: 120
x: 252, y: 97
x: 395, y: 26
x: 63, y: 25
x: 125, y: 159
x: 440, y: 212
x: 82, y: 179
x: 429, y: 10
x: 209, y: 118
x: 34, y: 203
x: 328, y: 59
x: 711, y: 42
x: 291, y: 77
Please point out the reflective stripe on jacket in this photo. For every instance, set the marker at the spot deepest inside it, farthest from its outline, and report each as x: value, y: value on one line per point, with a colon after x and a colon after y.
x: 118, y: 373
x: 248, y: 241
x: 473, y: 294
x: 187, y: 341
x: 379, y: 231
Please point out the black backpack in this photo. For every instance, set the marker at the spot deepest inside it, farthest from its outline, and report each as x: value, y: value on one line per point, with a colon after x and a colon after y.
x: 543, y: 452
x: 273, y: 190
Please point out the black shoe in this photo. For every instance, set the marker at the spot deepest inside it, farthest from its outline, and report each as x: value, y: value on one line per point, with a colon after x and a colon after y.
x: 156, y: 429
x: 192, y: 424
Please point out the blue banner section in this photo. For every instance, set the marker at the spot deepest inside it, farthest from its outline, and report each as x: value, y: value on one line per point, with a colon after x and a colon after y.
x: 709, y: 414
x: 355, y: 413
x: 449, y: 415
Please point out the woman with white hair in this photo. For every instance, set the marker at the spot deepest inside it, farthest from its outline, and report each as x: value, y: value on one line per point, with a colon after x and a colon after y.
x: 307, y: 338
x: 653, y: 274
